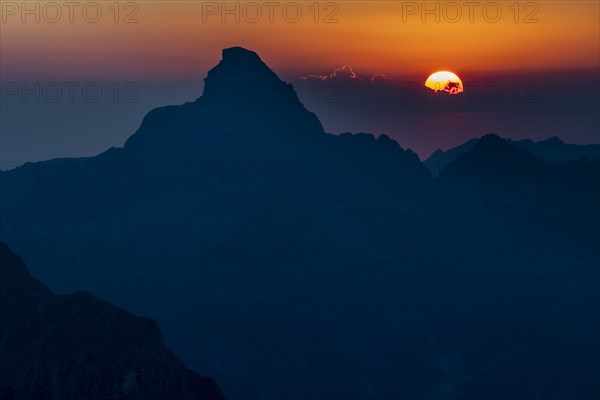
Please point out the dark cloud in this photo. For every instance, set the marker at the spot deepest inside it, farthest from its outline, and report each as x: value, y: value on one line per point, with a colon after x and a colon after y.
x: 453, y: 87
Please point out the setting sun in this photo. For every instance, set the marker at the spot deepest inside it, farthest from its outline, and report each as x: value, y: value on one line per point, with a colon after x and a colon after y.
x: 445, y: 81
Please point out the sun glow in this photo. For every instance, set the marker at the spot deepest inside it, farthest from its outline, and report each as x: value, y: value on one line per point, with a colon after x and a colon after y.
x: 445, y: 81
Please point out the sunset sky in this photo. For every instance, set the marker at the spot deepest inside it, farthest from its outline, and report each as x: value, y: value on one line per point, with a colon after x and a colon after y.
x: 168, y: 47
x: 374, y: 36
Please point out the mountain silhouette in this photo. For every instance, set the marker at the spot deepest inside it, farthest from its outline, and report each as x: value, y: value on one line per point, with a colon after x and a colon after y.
x: 244, y: 102
x: 292, y: 263
x: 493, y: 159
x: 78, y: 347
x: 439, y: 158
x: 555, y: 151
x: 552, y: 151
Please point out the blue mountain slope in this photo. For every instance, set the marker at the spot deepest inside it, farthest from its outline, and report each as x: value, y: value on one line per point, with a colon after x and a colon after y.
x: 79, y: 347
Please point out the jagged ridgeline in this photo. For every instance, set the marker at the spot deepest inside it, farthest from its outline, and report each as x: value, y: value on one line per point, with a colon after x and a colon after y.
x: 290, y: 263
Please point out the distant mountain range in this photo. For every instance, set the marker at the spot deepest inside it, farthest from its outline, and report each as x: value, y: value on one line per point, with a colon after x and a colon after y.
x: 76, y: 347
x: 290, y: 263
x: 552, y: 151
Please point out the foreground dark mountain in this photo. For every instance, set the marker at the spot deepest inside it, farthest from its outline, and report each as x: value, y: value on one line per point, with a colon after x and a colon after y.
x: 78, y: 347
x: 552, y: 151
x: 294, y: 264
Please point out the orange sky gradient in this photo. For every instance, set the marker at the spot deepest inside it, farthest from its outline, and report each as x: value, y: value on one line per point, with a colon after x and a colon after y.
x: 171, y: 39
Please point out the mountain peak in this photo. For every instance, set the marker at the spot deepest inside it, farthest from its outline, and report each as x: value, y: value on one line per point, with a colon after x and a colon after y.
x: 241, y: 76
x: 494, y: 160
x: 239, y: 53
x: 493, y: 147
x: 554, y: 140
x: 490, y: 138
x: 243, y: 98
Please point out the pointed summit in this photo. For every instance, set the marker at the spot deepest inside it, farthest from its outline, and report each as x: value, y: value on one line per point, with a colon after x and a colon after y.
x: 240, y: 64
x: 494, y: 160
x: 239, y: 58
x: 490, y: 140
x: 238, y: 51
x: 491, y: 148
x: 554, y: 140
x: 242, y: 77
